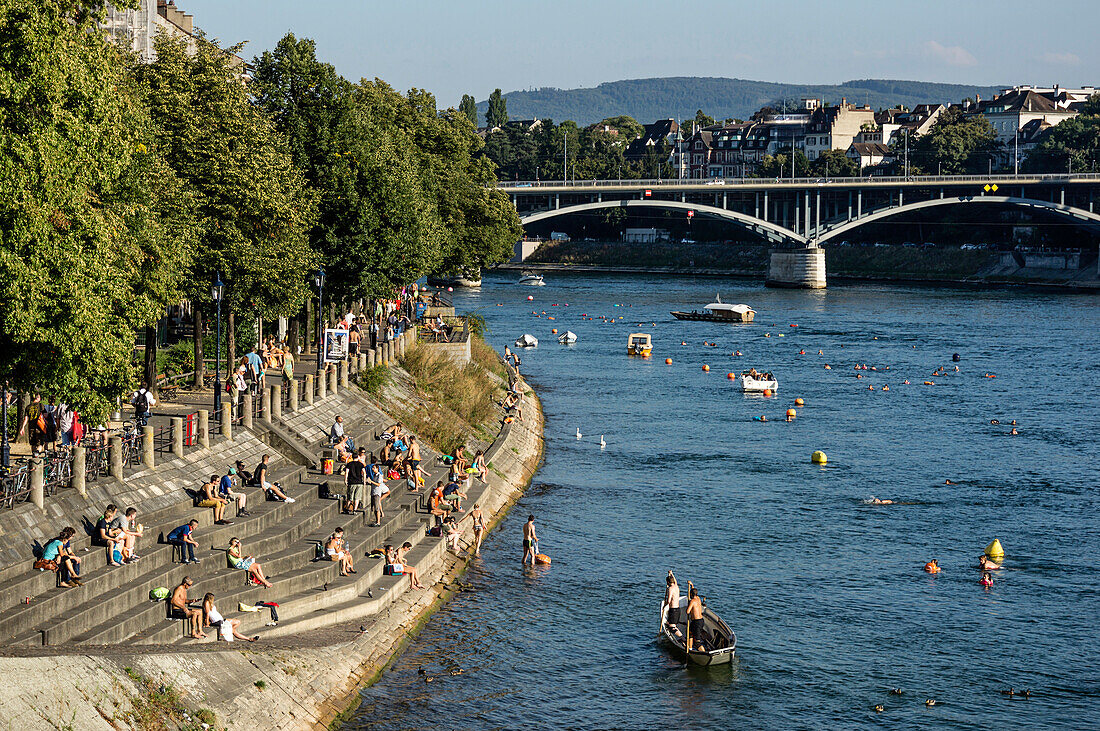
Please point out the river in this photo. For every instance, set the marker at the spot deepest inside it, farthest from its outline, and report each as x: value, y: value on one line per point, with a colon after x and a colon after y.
x: 825, y: 591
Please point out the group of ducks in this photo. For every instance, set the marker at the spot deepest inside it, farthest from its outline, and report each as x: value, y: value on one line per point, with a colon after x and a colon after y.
x: 879, y: 708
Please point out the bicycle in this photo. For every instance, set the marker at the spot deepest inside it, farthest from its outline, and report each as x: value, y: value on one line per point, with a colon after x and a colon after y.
x: 16, y: 485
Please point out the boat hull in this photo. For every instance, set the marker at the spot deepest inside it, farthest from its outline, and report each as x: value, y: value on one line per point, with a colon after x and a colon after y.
x: 753, y: 385
x: 644, y: 352
x: 707, y: 317
x: 672, y: 633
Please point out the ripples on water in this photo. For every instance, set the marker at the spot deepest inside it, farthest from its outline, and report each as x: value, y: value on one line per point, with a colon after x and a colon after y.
x: 825, y: 591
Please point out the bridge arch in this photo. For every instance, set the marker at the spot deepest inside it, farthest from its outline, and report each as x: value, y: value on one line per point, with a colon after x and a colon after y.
x: 761, y: 226
x: 1080, y: 215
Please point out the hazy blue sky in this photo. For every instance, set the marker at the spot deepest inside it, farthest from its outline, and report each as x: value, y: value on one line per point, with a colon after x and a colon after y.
x: 451, y: 47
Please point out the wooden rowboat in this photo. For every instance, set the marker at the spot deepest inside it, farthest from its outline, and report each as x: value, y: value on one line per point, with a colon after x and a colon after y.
x: 718, y: 639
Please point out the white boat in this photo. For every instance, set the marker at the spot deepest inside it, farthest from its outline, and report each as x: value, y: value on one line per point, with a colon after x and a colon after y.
x: 718, y: 640
x: 759, y: 383
x: 533, y: 280
x: 719, y: 311
x: 527, y: 341
x: 567, y: 338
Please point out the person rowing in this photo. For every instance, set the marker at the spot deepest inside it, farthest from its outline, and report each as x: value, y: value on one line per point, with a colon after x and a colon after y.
x: 695, y: 619
x: 672, y: 595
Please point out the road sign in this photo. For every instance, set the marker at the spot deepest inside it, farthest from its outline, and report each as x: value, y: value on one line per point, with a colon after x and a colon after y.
x: 691, y: 213
x: 986, y: 188
x: 648, y: 193
x: 990, y: 188
x: 993, y: 187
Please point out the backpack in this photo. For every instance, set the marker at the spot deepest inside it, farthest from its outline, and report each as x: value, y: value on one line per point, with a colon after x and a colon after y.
x: 141, y: 402
x: 318, y: 551
x: 158, y: 594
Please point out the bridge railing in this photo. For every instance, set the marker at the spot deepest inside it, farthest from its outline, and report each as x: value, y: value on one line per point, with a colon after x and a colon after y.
x: 520, y: 185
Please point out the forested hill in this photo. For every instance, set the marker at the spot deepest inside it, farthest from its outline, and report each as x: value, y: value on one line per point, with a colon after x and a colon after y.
x: 650, y: 99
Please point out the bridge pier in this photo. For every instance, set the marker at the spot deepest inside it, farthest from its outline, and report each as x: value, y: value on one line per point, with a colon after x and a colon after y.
x: 802, y: 268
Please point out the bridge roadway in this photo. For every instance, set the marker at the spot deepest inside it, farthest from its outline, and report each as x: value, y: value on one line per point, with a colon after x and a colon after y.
x: 798, y: 214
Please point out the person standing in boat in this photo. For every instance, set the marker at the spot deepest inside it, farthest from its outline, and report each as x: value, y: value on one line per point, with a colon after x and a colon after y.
x: 672, y: 595
x: 695, y: 618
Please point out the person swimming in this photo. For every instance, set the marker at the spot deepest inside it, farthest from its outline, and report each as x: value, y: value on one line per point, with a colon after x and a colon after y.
x: 986, y: 564
x: 875, y: 501
x: 994, y: 421
x: 986, y: 580
x: 932, y: 567
x: 1014, y: 432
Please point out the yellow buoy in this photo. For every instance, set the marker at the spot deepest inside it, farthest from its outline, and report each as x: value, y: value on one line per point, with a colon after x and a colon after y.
x: 799, y: 402
x: 819, y: 457
x: 994, y: 550
x: 791, y: 413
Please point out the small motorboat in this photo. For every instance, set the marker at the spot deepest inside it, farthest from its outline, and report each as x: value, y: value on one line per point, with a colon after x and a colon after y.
x: 718, y: 641
x: 567, y: 338
x: 753, y: 382
x: 639, y: 344
x: 718, y: 311
x: 533, y: 280
x: 527, y: 341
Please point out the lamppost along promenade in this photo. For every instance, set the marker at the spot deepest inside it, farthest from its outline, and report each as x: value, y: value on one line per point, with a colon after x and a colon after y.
x: 319, y: 280
x: 217, y: 289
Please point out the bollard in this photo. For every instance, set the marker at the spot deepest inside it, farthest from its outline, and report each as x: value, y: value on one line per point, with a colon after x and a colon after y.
x: 332, y: 379
x: 204, y: 428
x: 246, y: 410
x: 265, y: 403
x: 177, y: 436
x: 147, y: 454
x: 114, y: 453
x: 386, y: 352
x: 322, y: 385
x: 309, y: 389
x: 343, y: 373
x: 276, y: 400
x: 292, y: 389
x: 362, y: 362
x: 227, y: 421
x: 80, y: 471
x: 38, y: 483
x: 370, y: 358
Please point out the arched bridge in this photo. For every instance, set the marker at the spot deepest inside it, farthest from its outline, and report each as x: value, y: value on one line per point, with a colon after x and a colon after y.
x: 799, y: 214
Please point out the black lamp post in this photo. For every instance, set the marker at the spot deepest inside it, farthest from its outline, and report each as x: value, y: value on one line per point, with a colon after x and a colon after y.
x: 319, y: 280
x: 217, y: 290
x: 5, y: 450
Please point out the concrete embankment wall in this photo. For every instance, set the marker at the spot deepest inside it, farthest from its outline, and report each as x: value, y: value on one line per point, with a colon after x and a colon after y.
x: 299, y: 682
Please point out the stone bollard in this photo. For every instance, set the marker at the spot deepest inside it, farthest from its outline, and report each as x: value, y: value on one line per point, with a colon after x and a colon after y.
x: 38, y: 483
x: 322, y: 384
x: 362, y: 362
x: 386, y: 350
x: 333, y: 378
x: 343, y: 373
x: 227, y: 421
x: 246, y: 410
x: 80, y: 469
x: 309, y: 389
x: 276, y: 400
x: 147, y: 453
x: 204, y: 428
x: 371, y: 358
x: 399, y: 347
x: 265, y: 403
x: 177, y: 436
x: 114, y: 453
x: 292, y: 388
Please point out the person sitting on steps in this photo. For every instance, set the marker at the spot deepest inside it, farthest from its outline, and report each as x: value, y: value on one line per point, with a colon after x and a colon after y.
x: 226, y: 628
x: 60, y: 552
x: 225, y: 489
x: 182, y: 537
x: 237, y: 560
x: 336, y: 550
x: 211, y: 499
x: 179, y: 607
x: 271, y: 489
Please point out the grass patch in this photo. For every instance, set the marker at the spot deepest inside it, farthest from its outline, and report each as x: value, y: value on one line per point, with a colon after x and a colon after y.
x: 463, y: 399
x: 160, y: 707
x: 483, y: 355
x: 261, y: 684
x: 903, y: 261
x: 373, y: 380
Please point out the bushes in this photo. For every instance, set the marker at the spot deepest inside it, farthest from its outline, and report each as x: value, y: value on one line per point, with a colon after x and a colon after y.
x: 373, y: 380
x: 177, y: 359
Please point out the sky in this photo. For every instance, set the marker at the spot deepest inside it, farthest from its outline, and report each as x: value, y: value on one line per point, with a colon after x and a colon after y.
x: 452, y: 47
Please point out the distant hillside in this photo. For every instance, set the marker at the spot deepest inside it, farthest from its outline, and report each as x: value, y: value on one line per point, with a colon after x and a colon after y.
x: 650, y: 99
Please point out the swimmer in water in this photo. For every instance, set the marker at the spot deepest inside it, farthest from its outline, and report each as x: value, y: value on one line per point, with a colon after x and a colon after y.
x: 986, y: 580
x: 932, y: 567
x: 875, y: 501
x: 1013, y: 432
x: 985, y: 564
x: 994, y: 421
x: 948, y: 482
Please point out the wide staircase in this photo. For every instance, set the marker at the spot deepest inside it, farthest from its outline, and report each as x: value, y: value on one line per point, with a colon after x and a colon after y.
x: 114, y: 606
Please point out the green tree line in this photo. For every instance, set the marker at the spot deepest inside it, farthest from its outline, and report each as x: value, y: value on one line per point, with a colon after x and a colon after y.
x: 125, y: 187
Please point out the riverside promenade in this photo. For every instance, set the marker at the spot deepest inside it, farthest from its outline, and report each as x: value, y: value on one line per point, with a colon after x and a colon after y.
x: 123, y: 663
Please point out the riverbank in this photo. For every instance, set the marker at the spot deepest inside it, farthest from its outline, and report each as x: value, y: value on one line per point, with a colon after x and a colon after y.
x: 847, y: 264
x: 294, y: 681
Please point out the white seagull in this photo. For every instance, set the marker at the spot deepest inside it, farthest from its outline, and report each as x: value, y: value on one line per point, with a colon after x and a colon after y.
x: 578, y: 432
x: 602, y: 442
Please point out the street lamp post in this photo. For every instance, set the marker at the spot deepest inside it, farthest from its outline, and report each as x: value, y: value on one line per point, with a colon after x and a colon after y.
x: 5, y: 450
x: 217, y: 290
x: 1016, y: 155
x: 319, y: 280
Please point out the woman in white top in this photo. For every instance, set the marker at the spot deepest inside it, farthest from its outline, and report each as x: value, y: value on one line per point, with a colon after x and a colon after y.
x: 227, y: 628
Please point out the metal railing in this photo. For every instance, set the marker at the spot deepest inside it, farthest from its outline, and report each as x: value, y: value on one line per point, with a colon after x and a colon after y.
x: 770, y: 182
x: 162, y: 440
x: 455, y: 330
x: 15, y: 487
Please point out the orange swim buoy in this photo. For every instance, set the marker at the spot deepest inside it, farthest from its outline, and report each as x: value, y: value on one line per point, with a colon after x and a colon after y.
x: 730, y: 376
x: 706, y: 368
x: 799, y: 402
x: 767, y: 393
x: 542, y: 558
x: 791, y: 413
x: 668, y: 361
x: 554, y: 331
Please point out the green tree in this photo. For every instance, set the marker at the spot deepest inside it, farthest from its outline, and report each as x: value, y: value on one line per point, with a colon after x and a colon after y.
x: 834, y: 164
x: 468, y: 107
x: 91, y: 237
x: 956, y: 143
x: 1073, y: 145
x: 702, y: 120
x: 254, y: 209
x: 497, y: 113
x: 628, y: 127
x: 779, y: 165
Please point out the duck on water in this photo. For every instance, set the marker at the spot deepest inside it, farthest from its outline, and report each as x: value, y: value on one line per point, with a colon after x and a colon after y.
x: 694, y: 632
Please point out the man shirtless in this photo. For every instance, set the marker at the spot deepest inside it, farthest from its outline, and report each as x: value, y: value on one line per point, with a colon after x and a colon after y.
x: 529, y: 539
x: 413, y: 462
x: 672, y: 594
x: 695, y: 617
x: 180, y: 608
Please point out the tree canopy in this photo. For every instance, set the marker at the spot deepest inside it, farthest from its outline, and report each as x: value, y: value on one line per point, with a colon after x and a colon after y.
x: 468, y: 107
x: 1073, y: 145
x: 497, y: 114
x: 957, y: 143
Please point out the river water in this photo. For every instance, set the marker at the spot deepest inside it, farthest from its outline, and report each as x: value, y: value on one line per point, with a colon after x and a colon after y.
x: 825, y: 591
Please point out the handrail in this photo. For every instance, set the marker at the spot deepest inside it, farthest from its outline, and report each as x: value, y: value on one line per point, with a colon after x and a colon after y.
x: 757, y: 182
